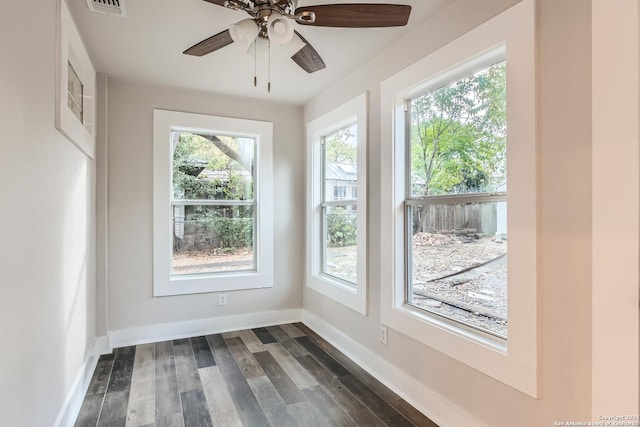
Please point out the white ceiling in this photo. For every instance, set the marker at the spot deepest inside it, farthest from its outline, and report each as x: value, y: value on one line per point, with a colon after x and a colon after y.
x: 147, y: 46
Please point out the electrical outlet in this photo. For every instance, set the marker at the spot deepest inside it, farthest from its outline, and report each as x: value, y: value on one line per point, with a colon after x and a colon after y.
x: 383, y: 335
x: 222, y: 299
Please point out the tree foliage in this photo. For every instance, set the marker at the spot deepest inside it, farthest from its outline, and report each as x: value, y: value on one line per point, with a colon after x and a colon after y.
x: 232, y: 165
x: 340, y: 146
x: 341, y: 227
x: 458, y: 135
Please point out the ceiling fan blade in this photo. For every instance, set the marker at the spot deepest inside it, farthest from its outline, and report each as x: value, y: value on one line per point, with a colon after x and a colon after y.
x: 218, y: 2
x: 308, y: 58
x: 211, y: 44
x: 357, y: 15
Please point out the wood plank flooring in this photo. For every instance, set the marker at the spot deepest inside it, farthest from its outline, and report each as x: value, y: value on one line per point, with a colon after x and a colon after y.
x: 277, y: 376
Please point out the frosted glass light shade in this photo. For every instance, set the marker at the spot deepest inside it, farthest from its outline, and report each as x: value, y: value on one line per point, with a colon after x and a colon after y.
x: 244, y: 32
x: 280, y: 29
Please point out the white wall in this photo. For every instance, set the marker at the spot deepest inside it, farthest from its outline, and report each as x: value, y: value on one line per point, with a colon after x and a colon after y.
x: 616, y: 173
x: 47, y: 268
x: 130, y: 211
x: 564, y: 161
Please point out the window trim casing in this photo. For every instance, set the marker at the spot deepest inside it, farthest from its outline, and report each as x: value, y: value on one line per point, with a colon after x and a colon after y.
x: 354, y: 297
x: 164, y: 283
x: 514, y: 362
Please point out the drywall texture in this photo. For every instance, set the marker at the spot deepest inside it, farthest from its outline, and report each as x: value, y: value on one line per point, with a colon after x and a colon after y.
x: 130, y: 217
x: 47, y: 255
x: 564, y: 161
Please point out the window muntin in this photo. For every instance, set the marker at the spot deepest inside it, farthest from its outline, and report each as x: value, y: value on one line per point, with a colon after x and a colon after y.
x: 456, y: 201
x: 213, y: 204
x: 339, y: 228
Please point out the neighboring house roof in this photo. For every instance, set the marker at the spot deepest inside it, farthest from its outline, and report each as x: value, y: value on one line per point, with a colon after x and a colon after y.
x: 220, y: 175
x: 341, y: 172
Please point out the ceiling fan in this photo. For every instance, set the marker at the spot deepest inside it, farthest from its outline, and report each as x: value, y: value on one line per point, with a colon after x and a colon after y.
x: 273, y: 20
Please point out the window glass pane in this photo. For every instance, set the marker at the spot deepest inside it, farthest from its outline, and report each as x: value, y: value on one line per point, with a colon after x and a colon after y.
x: 340, y: 233
x: 457, y: 248
x: 340, y: 177
x: 210, y: 167
x: 75, y: 93
x: 340, y: 163
x: 458, y: 136
x: 459, y: 266
x: 212, y: 239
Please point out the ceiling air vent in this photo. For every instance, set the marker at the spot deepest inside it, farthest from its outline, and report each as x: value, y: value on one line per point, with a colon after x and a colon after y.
x: 113, y: 7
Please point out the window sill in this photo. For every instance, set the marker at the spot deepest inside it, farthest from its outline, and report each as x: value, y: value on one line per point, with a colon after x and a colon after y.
x: 220, y: 282
x: 338, y: 291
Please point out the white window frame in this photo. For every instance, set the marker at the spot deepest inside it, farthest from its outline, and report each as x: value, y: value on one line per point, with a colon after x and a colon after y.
x: 412, y: 201
x: 354, y: 297
x: 513, y: 362
x: 164, y: 283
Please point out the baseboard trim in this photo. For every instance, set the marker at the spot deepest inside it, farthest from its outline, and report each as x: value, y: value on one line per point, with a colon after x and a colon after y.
x: 442, y: 411
x: 191, y: 328
x: 71, y: 406
x: 102, y: 345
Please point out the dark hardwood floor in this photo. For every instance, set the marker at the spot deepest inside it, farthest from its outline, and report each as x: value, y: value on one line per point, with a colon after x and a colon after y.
x: 278, y: 376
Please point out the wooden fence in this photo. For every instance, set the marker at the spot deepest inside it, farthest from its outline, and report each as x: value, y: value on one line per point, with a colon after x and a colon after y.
x: 481, y: 217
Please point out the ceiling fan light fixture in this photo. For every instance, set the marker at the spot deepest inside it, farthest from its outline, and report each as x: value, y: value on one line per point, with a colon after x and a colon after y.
x: 244, y: 32
x: 272, y: 21
x: 279, y: 29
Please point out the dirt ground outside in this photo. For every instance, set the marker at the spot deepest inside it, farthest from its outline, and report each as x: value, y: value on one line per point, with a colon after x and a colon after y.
x: 458, y: 277
x: 199, y: 262
x: 463, y: 279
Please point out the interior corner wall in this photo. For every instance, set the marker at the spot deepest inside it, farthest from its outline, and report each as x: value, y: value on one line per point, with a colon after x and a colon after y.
x: 47, y: 267
x: 130, y: 211
x: 563, y: 32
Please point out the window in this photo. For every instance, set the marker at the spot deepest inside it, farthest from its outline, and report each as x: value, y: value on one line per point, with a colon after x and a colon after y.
x: 456, y: 127
x: 340, y: 191
x: 213, y: 204
x: 456, y: 201
x: 336, y: 230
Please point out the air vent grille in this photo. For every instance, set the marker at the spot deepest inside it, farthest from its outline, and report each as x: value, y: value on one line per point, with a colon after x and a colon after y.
x: 113, y: 7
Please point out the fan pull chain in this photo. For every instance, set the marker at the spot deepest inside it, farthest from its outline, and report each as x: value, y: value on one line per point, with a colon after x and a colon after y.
x: 255, y: 63
x: 269, y: 72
